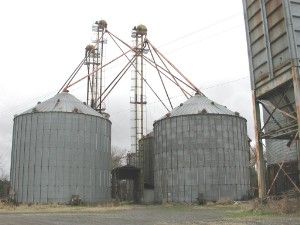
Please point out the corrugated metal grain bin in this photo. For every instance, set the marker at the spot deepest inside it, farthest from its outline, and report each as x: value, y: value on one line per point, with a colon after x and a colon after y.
x: 61, y: 148
x: 201, y: 149
x: 146, y: 149
x: 277, y: 150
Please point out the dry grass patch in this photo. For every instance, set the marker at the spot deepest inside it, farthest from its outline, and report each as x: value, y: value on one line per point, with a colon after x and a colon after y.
x: 284, y: 205
x: 57, y: 208
x: 225, y: 201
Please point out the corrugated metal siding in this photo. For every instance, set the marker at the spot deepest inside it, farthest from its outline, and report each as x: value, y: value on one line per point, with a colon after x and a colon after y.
x: 259, y: 54
x: 206, y: 154
x: 273, y: 40
x: 278, y: 151
x: 56, y: 155
x: 146, y: 147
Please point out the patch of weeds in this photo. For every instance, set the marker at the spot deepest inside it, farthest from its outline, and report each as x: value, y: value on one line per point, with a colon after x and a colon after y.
x: 243, y: 214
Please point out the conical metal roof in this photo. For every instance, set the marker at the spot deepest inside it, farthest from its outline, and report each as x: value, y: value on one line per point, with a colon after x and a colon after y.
x: 199, y: 104
x: 63, y: 102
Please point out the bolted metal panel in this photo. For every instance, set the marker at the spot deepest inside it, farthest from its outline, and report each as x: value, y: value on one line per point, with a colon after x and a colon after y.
x: 278, y: 151
x: 201, y: 153
x: 146, y: 150
x: 273, y: 41
x: 59, y: 154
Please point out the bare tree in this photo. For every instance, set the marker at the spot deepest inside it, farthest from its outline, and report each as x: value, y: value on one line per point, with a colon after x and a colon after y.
x: 1, y: 166
x: 3, y: 176
x: 118, y: 156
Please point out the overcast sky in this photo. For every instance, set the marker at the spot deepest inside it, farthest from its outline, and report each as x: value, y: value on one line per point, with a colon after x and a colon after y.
x: 41, y: 42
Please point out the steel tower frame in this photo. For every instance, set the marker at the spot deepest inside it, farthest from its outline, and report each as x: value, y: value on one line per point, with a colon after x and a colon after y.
x: 94, y: 55
x: 138, y: 98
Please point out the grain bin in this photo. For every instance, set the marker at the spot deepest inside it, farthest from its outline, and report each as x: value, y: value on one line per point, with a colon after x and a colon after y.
x: 146, y: 158
x: 279, y: 154
x: 201, y: 149
x: 280, y: 151
x: 277, y: 150
x: 60, y: 148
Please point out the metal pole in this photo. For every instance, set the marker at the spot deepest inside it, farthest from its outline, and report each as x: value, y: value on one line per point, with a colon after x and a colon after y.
x: 135, y: 96
x: 98, y: 71
x: 146, y: 82
x: 101, y: 71
x: 259, y: 149
x: 296, y: 84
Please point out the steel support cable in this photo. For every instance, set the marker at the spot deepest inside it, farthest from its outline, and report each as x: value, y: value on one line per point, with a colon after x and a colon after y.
x: 116, y: 77
x: 130, y: 49
x: 112, y: 37
x: 148, y: 59
x: 170, y: 73
x: 73, y: 74
x: 123, y: 72
x: 163, y: 84
x: 71, y: 77
x: 175, y: 68
x: 164, y: 73
x: 88, y: 75
x: 89, y: 53
x: 219, y: 84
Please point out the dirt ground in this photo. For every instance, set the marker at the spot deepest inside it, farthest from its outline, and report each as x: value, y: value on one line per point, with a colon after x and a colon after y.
x: 139, y: 215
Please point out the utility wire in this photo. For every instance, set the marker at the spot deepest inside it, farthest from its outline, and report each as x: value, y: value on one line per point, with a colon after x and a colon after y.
x: 205, y: 38
x: 181, y: 95
x: 225, y: 83
x: 168, y: 43
x: 200, y: 29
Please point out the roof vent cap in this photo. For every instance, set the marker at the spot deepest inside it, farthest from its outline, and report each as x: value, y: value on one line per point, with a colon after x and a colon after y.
x: 204, y: 111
